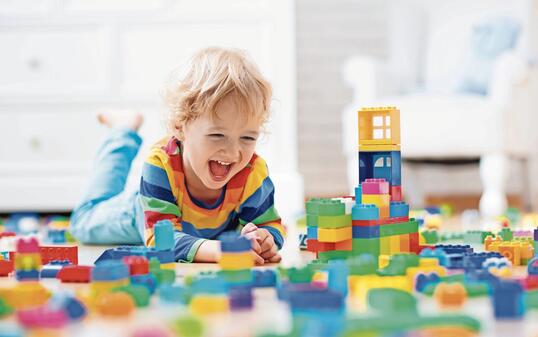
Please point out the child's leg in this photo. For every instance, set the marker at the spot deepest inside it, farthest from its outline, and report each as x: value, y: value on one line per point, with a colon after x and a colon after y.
x: 106, y: 214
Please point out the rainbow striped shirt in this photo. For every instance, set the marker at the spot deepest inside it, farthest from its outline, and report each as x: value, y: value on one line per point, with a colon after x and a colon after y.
x: 247, y: 197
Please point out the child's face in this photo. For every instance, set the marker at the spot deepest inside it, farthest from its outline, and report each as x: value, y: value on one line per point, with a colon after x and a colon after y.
x: 216, y: 149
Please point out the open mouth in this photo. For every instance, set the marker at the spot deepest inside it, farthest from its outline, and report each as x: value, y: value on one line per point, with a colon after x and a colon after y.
x: 219, y: 169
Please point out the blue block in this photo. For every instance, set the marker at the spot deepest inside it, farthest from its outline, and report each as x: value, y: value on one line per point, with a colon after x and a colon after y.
x: 315, y: 299
x: 111, y: 270
x: 423, y: 280
x: 380, y: 164
x: 232, y: 242
x: 338, y: 272
x: 455, y: 249
x: 56, y: 235
x: 507, y: 298
x: 454, y: 261
x: 209, y: 285
x: 365, y: 232
x: 312, y: 232
x: 164, y: 256
x: 364, y: 212
x: 473, y: 261
x: 264, y: 278
x: 74, y: 309
x: 398, y: 209
x: 173, y: 293
x: 22, y: 275
x: 164, y: 235
x: 52, y: 268
x: 439, y: 254
x: 147, y: 280
x: 532, y: 266
x: 358, y: 195
x: 119, y: 253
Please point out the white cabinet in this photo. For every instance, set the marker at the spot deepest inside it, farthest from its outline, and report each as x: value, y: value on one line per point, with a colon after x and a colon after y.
x: 63, y: 60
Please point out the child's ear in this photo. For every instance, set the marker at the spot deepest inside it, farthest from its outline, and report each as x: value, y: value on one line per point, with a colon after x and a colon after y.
x: 179, y: 131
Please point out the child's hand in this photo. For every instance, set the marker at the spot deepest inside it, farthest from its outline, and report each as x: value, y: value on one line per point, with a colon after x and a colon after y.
x: 263, y: 244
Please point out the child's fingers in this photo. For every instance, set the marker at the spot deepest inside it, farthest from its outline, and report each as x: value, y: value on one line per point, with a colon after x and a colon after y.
x: 255, y: 244
x: 270, y: 253
x: 268, y: 244
x: 274, y: 259
x: 250, y: 227
x: 258, y: 260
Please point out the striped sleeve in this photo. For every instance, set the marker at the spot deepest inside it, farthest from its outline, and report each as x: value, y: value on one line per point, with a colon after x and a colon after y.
x: 158, y: 202
x: 257, y: 204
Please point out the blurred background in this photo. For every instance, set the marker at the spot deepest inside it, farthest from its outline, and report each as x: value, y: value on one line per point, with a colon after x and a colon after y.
x: 463, y: 76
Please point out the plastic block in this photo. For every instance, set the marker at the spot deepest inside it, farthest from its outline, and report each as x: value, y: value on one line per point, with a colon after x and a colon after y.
x: 334, y: 255
x: 331, y: 208
x: 73, y: 308
x: 450, y: 295
x: 346, y: 245
x: 389, y: 301
x: 27, y: 261
x: 396, y: 193
x: 56, y: 235
x: 137, y: 264
x: 506, y: 234
x: 5, y: 309
x: 358, y: 194
x: 334, y: 221
x: 300, y: 275
x: 363, y: 264
x: 147, y: 280
x: 365, y: 222
x: 380, y: 163
x: 366, y: 246
x: 51, y: 269
x: 43, y: 317
x: 312, y: 220
x: 532, y: 266
x: 75, y: 274
x: 264, y: 278
x: 6, y: 267
x: 398, y: 228
x: 164, y: 235
x: 334, y: 235
x: 394, y: 244
x: 380, y: 200
x: 455, y: 249
x: 29, y: 245
x: 476, y: 260
x: 316, y: 246
x: 173, y: 293
x: 312, y: 232
x: 232, y: 242
x: 399, y: 209
x: 115, y: 304
x: 27, y: 275
x: 365, y: 212
x: 404, y: 243
x: 139, y: 293
x: 379, y: 126
x: 110, y: 271
x: 384, y: 245
x: 423, y: 280
x: 189, y: 326
x: 58, y: 253
x: 507, y: 300
x: 375, y: 186
x: 338, y: 272
x: 413, y: 243
x: 236, y: 261
x: 209, y: 285
x: 209, y: 304
x: 241, y: 299
x: 164, y: 276
x: 25, y: 295
x: 315, y: 299
x: 365, y: 232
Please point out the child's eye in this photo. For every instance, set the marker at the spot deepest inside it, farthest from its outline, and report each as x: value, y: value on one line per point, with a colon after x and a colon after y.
x: 250, y: 139
x: 216, y: 135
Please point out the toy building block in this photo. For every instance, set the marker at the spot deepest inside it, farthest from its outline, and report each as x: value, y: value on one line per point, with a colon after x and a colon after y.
x: 450, y: 295
x: 366, y: 246
x: 358, y: 194
x: 236, y: 261
x: 380, y: 200
x: 164, y: 256
x: 75, y: 274
x: 506, y: 234
x: 334, y: 221
x: 147, y: 280
x: 399, y: 209
x: 507, y: 300
x: 375, y: 186
x: 334, y: 234
x: 405, y: 243
x: 379, y: 126
x: 241, y: 299
x: 455, y: 249
x: 139, y: 294
x: 110, y: 271
x: 44, y: 317
x: 264, y: 278
x: 164, y: 235
x: 51, y: 269
x: 426, y: 266
x: 6, y: 267
x: 209, y: 304
x: 237, y: 277
x: 232, y: 242
x: 365, y: 212
x: 51, y: 253
x: 380, y: 163
x: 346, y: 245
x: 365, y: 232
x: 25, y: 295
x: 396, y: 193
x: 313, y: 245
x: 312, y: 232
x: 138, y: 265
x: 28, y: 245
x: 512, y: 252
x: 115, y: 304
x: 27, y: 275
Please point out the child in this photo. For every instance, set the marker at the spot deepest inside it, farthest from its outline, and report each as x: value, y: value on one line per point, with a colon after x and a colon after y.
x: 204, y: 177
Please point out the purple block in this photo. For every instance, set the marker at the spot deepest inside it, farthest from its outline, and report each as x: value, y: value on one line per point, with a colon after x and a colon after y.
x: 241, y: 299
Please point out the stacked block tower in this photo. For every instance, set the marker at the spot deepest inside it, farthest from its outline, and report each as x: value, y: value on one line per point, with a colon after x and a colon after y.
x: 377, y: 221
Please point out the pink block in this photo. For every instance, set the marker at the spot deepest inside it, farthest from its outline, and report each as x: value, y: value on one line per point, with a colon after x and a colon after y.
x: 375, y: 186
x: 42, y: 317
x: 27, y: 246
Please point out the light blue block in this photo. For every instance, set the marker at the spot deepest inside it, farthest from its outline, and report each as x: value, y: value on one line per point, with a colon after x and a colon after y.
x: 364, y: 212
x: 312, y: 232
x: 399, y: 209
x: 164, y: 235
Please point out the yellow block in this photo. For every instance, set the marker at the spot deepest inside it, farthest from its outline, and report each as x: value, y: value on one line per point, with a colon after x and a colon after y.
x: 425, y: 266
x: 28, y: 261
x: 376, y: 148
x: 383, y: 261
x: 379, y: 125
x: 394, y: 244
x: 384, y: 245
x: 170, y: 266
x: 380, y: 200
x: 100, y: 287
x: 26, y: 294
x: 207, y: 304
x: 360, y: 285
x: 334, y: 234
x: 236, y: 261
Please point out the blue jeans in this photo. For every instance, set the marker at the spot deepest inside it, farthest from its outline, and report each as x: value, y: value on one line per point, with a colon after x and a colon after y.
x: 107, y: 214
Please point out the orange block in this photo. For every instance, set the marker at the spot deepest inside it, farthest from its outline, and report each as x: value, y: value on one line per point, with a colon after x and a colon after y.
x: 404, y: 243
x: 344, y: 245
x: 115, y: 304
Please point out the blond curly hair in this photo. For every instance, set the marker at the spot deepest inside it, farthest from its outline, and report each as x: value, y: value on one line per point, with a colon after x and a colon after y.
x: 212, y: 75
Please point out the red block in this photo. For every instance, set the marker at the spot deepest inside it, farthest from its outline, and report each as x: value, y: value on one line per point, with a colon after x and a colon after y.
x: 375, y: 186
x: 74, y: 274
x: 7, y: 234
x: 6, y: 267
x: 413, y: 243
x: 313, y: 245
x: 396, y: 193
x: 394, y: 220
x: 365, y: 223
x: 51, y: 253
x: 138, y: 265
x: 344, y: 245
x: 530, y: 283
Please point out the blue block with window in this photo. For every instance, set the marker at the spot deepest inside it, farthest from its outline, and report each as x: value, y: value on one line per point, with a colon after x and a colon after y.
x: 380, y: 164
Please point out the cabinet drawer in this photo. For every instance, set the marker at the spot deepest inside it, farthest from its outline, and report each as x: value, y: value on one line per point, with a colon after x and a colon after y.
x: 52, y: 61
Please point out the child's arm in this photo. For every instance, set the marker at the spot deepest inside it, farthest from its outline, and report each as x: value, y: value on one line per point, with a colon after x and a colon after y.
x: 159, y: 203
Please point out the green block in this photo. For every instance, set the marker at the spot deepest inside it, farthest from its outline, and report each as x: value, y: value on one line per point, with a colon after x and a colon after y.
x: 398, y: 264
x: 334, y: 221
x: 364, y: 264
x: 389, y: 301
x: 506, y: 234
x: 5, y: 309
x: 311, y: 220
x: 164, y: 276
x: 139, y: 293
x: 531, y: 299
x: 317, y: 265
x: 334, y: 255
x: 366, y: 246
x: 188, y: 326
x: 332, y: 208
x: 431, y: 237
x: 237, y: 276
x: 398, y: 228
x: 300, y: 275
